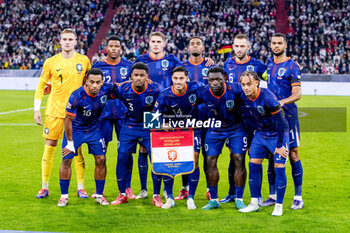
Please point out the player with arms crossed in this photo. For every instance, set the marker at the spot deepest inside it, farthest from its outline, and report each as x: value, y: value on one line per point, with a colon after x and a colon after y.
x: 271, y: 137
x: 284, y: 81
x: 138, y: 96
x: 66, y: 72
x: 223, y: 102
x: 81, y: 126
x: 234, y: 67
x: 117, y: 70
x: 178, y: 102
x: 197, y: 71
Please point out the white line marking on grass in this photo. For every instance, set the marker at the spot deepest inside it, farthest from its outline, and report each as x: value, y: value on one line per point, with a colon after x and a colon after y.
x: 18, y: 110
x: 20, y: 124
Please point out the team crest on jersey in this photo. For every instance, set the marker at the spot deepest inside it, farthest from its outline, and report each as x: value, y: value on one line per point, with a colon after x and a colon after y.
x: 281, y: 71
x: 165, y: 64
x: 149, y: 99
x: 230, y: 103
x: 79, y: 67
x: 103, y: 99
x: 250, y: 68
x: 69, y: 105
x: 192, y: 98
x: 123, y: 71
x: 261, y: 110
x: 205, y: 71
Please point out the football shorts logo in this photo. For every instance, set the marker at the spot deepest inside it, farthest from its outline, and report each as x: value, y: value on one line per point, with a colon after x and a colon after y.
x: 165, y: 64
x: 261, y: 110
x: 205, y: 71
x: 192, y: 98
x: 281, y: 71
x: 103, y: 99
x: 172, y: 155
x: 230, y: 103
x: 79, y: 67
x: 149, y: 99
x: 123, y: 71
x: 250, y: 68
x: 46, y: 131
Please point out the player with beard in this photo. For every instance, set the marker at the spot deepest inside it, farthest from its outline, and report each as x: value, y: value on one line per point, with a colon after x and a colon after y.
x: 234, y: 67
x: 284, y: 81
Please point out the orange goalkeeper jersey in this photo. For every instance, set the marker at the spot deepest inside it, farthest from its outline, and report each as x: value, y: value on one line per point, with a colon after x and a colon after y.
x: 65, y: 76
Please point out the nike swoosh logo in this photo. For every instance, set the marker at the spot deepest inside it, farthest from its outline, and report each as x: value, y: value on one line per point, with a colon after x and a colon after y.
x: 210, y: 105
x: 86, y: 107
x: 173, y: 106
x: 58, y: 69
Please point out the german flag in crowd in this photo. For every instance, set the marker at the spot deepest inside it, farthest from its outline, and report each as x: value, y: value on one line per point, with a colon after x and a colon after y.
x: 225, y: 49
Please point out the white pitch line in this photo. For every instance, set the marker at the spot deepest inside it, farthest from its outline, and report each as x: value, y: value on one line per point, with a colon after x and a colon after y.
x: 18, y: 110
x: 20, y: 124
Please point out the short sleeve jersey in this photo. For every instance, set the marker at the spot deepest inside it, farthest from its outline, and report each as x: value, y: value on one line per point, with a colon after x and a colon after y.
x: 117, y: 73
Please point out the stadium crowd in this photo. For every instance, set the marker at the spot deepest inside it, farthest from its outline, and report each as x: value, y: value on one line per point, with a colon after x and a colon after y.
x: 29, y: 29
x: 318, y: 31
x: 319, y: 35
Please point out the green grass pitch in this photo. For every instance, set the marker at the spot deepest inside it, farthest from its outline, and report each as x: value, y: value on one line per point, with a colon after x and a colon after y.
x: 326, y: 190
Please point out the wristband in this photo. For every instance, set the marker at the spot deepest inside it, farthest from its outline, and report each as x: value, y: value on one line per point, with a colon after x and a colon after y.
x: 37, y: 104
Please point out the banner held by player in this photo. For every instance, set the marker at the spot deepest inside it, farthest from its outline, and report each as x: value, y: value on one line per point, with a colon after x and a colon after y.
x: 172, y: 152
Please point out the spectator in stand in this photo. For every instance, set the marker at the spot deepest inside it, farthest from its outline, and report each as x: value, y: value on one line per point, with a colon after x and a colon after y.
x: 319, y: 35
x: 29, y: 28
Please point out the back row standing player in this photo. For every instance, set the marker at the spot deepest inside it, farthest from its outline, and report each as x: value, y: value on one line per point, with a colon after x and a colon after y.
x: 197, y: 68
x: 284, y: 81
x: 66, y: 72
x: 234, y: 67
x: 117, y: 70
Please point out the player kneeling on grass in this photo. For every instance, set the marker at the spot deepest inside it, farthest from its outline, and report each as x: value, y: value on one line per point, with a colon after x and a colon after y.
x: 271, y: 136
x: 82, y: 113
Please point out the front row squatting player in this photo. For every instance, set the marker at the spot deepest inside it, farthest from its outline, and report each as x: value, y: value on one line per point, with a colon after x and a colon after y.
x: 81, y: 126
x: 115, y: 69
x: 271, y: 137
x: 138, y: 96
x: 66, y: 72
x: 284, y: 81
x: 234, y: 67
x: 223, y: 102
x: 178, y: 103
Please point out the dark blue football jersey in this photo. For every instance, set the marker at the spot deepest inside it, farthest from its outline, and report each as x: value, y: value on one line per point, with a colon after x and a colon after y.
x: 281, y: 78
x: 178, y: 107
x: 86, y: 108
x: 234, y: 69
x: 262, y: 108
x: 160, y: 70
x: 117, y: 73
x: 226, y: 107
x: 138, y: 102
x: 197, y: 72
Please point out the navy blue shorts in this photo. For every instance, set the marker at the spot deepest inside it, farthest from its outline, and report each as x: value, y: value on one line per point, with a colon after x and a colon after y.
x: 106, y: 126
x: 236, y: 140
x: 93, y: 139
x: 131, y: 136
x: 262, y: 145
x: 294, y: 132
